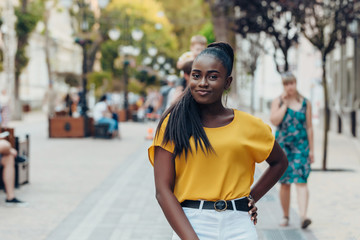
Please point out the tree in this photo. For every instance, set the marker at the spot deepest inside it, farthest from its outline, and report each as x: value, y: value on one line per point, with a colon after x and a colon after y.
x: 188, y: 20
x: 222, y: 13
x: 325, y: 23
x: 27, y: 17
x: 148, y: 16
x: 208, y: 32
x: 276, y: 19
x: 1, y: 52
x: 250, y: 50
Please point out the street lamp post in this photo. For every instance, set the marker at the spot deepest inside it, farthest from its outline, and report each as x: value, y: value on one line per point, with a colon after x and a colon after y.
x: 84, y: 42
x: 355, y: 31
x: 126, y: 92
x: 126, y: 51
x: 83, y: 103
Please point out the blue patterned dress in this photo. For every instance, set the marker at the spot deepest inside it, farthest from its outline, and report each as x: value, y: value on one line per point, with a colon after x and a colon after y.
x: 292, y: 136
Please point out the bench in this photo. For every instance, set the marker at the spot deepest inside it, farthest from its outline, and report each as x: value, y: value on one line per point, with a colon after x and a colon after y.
x: 23, y: 149
x: 101, y: 130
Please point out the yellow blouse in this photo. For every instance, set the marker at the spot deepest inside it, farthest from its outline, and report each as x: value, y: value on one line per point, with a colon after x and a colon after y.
x: 229, y: 172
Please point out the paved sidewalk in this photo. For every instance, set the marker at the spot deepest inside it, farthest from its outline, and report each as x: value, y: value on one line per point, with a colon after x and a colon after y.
x: 334, y: 194
x: 103, y: 189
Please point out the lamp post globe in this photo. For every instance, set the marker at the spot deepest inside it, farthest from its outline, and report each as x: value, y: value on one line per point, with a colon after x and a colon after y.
x: 137, y: 34
x: 152, y: 51
x: 114, y: 34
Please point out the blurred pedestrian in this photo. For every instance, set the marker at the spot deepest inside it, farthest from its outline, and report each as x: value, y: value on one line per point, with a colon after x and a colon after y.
x: 50, y: 101
x: 5, y: 108
x: 197, y: 44
x: 152, y: 104
x: 167, y: 92
x: 102, y: 114
x: 7, y: 160
x: 184, y: 81
x: 204, y: 157
x: 291, y: 113
x: 68, y: 103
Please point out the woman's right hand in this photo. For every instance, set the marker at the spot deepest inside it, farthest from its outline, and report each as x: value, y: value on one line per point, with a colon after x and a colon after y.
x: 253, y: 210
x: 285, y: 99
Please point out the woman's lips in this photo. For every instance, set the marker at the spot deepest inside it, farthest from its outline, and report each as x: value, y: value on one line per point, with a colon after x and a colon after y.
x: 202, y: 92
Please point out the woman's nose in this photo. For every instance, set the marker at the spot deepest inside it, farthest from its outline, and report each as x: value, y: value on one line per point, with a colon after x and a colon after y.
x: 203, y: 82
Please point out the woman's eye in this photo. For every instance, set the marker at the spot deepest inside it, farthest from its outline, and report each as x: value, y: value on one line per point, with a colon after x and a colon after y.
x: 213, y: 77
x: 195, y: 76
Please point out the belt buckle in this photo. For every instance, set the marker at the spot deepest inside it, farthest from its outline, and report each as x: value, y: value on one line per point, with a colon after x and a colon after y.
x: 220, y: 205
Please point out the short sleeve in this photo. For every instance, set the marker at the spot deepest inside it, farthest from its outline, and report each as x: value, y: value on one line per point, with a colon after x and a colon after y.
x: 261, y: 141
x: 157, y: 142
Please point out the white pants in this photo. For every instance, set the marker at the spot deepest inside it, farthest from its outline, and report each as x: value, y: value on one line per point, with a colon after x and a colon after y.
x: 226, y: 225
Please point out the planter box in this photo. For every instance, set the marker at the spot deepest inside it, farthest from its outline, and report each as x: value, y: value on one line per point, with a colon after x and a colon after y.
x: 64, y: 127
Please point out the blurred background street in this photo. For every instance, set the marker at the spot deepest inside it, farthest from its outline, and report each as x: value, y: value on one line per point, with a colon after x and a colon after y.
x: 103, y: 189
x: 88, y: 80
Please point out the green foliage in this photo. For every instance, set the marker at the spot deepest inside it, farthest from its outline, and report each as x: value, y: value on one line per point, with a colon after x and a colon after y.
x: 144, y: 14
x: 109, y: 52
x: 145, y: 77
x: 136, y: 87
x: 21, y: 60
x: 208, y: 31
x: 102, y: 81
x: 73, y: 80
x: 187, y: 19
x: 98, y: 78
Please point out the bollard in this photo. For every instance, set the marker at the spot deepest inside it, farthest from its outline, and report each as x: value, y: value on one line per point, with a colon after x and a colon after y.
x: 150, y: 134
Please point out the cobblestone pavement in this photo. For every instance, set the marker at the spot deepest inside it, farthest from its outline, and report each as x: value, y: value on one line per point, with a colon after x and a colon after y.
x: 103, y: 189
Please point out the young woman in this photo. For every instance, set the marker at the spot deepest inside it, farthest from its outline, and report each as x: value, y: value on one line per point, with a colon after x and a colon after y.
x: 291, y: 113
x: 204, y: 157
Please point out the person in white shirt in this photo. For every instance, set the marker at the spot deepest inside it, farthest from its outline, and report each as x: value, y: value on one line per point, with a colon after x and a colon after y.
x: 102, y: 114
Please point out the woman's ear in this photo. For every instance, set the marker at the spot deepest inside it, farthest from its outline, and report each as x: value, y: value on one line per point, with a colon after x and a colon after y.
x: 228, y: 82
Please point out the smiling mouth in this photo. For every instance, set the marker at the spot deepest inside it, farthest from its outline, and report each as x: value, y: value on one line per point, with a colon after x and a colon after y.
x: 202, y: 92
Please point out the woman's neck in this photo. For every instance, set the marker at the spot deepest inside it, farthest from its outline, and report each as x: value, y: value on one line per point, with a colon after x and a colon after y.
x: 292, y: 96
x: 215, y: 115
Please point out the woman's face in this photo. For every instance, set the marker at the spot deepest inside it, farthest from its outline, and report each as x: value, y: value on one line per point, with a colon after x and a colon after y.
x: 208, y: 80
x: 290, y: 87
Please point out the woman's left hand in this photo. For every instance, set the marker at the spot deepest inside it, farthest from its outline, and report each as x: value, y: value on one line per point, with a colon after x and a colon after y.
x: 311, y: 155
x: 253, y: 210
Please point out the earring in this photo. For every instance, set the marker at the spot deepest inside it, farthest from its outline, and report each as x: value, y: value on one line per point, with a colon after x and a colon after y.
x: 225, y: 97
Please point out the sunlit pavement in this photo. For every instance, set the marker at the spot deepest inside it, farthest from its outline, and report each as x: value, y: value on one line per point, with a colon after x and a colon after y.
x: 103, y: 189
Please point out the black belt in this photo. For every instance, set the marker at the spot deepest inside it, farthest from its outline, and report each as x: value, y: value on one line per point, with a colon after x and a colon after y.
x: 220, y: 205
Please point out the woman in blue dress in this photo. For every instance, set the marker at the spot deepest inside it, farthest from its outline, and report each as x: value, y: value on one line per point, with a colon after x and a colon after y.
x: 291, y: 113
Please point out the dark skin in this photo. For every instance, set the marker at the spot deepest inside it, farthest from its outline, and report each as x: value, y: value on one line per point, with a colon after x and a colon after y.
x: 208, y: 81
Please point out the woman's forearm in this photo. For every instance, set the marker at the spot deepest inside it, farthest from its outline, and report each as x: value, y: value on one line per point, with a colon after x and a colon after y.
x: 310, y: 135
x: 268, y: 179
x: 278, y: 115
x: 175, y: 215
x: 277, y: 165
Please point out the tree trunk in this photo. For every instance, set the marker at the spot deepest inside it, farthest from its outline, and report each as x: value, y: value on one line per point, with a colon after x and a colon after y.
x: 326, y: 115
x: 252, y: 95
x: 95, y: 47
x: 220, y: 13
x: 47, y: 48
x: 17, y: 111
